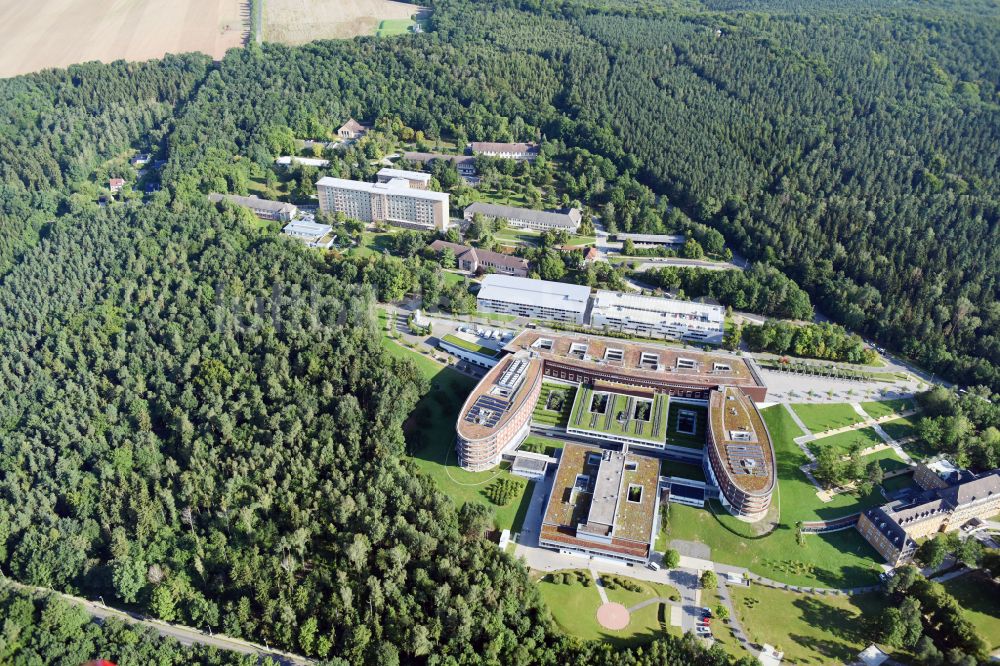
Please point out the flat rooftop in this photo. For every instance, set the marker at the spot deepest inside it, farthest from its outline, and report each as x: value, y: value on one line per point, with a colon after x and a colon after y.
x: 419, y: 176
x: 741, y: 440
x: 396, y: 187
x: 655, y: 309
x: 536, y: 293
x: 497, y: 396
x: 603, y: 493
x: 638, y: 360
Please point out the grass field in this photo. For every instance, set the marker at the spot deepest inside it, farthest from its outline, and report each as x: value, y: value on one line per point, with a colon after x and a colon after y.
x: 393, y: 27
x: 809, y: 629
x: 435, y: 456
x: 877, y: 410
x: 539, y: 444
x: 574, y: 608
x: 546, y: 416
x: 301, y: 21
x: 691, y: 441
x: 533, y: 238
x: 721, y: 632
x: 979, y: 598
x: 899, y: 483
x: 888, y: 460
x: 819, y: 418
x: 900, y: 428
x: 844, y: 441
x: 58, y: 33
x: 651, y: 428
x: 836, y: 559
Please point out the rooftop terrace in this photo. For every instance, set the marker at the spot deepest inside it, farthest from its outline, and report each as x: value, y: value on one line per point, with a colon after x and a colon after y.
x: 741, y: 440
x: 603, y: 493
x: 646, y: 361
x: 498, y: 396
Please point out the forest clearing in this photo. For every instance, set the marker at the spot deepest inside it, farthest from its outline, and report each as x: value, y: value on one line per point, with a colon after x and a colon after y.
x: 301, y: 21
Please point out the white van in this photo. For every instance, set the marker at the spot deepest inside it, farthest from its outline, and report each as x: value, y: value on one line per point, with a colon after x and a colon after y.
x: 654, y: 566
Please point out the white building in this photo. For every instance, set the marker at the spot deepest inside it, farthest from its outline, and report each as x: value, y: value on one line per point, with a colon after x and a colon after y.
x: 528, y: 218
x: 538, y: 299
x: 393, y: 201
x: 656, y: 317
x: 311, y: 233
x: 509, y: 151
x: 418, y: 180
x: 288, y: 160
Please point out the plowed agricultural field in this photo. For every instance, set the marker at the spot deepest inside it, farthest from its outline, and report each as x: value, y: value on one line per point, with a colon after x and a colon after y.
x: 57, y: 33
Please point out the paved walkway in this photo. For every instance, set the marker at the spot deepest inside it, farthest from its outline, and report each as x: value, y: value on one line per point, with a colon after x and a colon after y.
x: 184, y: 635
x: 654, y: 600
x: 599, y: 582
x: 801, y: 441
x: 734, y: 620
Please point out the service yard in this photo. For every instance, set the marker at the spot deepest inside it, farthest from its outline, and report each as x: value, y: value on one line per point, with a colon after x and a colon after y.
x: 59, y: 33
x: 302, y: 21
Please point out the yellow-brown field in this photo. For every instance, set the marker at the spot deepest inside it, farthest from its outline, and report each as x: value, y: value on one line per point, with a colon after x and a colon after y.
x: 301, y: 21
x: 56, y: 33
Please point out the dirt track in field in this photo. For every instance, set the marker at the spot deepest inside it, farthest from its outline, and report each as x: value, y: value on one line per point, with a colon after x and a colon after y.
x: 57, y: 33
x: 301, y: 21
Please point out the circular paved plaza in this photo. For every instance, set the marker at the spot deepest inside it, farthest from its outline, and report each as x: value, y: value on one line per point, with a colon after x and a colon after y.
x: 612, y: 616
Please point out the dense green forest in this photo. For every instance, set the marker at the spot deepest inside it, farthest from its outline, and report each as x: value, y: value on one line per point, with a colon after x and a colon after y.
x: 856, y: 150
x: 199, y: 419
x: 47, y: 630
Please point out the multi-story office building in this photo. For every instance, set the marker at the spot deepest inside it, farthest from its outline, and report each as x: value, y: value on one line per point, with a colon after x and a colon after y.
x: 527, y: 218
x: 537, y: 299
x: 496, y: 416
x: 603, y: 503
x: 652, y: 316
x: 623, y: 392
x: 740, y: 457
x: 393, y: 201
x: 894, y: 528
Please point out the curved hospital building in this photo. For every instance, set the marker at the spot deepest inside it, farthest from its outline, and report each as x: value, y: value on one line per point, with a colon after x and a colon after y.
x: 629, y: 394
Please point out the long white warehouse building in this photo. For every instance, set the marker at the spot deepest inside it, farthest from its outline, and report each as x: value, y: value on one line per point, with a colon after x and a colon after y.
x: 537, y: 299
x: 651, y: 315
x: 393, y: 201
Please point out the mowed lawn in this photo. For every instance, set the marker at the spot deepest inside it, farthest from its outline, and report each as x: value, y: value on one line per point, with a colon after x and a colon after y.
x: 904, y: 426
x: 837, y: 559
x: 845, y: 441
x: 809, y: 629
x: 881, y: 408
x: 979, y: 598
x: 550, y: 417
x: 887, y: 459
x: 435, y: 455
x: 686, y: 439
x: 820, y: 418
x: 574, y: 609
x: 392, y: 27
